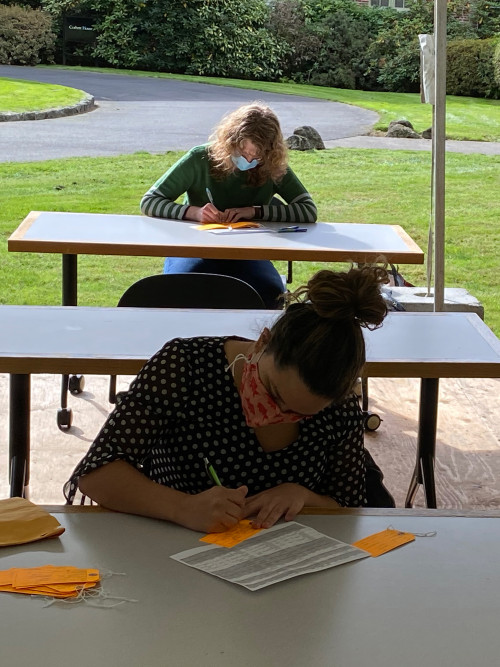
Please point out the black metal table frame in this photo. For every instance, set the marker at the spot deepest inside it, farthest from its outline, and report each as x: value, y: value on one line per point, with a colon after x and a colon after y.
x: 19, y: 443
x: 19, y: 438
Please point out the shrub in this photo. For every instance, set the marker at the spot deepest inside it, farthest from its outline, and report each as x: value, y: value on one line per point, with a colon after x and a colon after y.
x: 288, y: 23
x: 395, y: 51
x: 206, y: 37
x: 26, y: 36
x: 326, y: 42
x: 342, y: 59
x: 471, y: 68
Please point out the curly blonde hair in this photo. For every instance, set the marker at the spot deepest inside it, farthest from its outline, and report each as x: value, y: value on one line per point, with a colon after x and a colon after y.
x: 253, y: 122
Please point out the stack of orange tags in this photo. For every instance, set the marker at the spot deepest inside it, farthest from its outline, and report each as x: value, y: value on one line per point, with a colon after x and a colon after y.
x: 49, y: 580
x: 232, y: 536
x: 22, y: 522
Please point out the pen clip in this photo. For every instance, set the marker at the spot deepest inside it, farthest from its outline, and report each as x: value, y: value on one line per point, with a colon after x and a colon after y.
x: 207, y: 463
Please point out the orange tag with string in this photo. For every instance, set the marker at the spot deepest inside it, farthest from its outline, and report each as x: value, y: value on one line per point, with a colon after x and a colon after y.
x: 51, y: 574
x: 242, y: 531
x: 380, y: 543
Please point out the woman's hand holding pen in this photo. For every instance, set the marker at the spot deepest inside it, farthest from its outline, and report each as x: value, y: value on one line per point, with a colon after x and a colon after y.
x: 285, y: 500
x: 207, y: 213
x: 214, y: 510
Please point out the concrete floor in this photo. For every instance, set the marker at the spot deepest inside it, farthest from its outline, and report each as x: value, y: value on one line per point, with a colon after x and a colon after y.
x: 468, y: 448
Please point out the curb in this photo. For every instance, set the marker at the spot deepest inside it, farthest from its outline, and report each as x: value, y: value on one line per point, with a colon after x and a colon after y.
x: 84, y: 105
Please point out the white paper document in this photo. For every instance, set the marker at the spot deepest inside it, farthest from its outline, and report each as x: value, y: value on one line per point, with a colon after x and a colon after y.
x: 275, y: 554
x: 243, y: 230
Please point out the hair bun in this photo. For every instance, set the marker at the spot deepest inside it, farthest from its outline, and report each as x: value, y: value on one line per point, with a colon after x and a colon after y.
x: 352, y: 295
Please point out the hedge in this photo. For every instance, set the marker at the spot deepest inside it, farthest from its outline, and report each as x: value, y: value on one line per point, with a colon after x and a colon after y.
x: 26, y: 36
x: 471, y: 68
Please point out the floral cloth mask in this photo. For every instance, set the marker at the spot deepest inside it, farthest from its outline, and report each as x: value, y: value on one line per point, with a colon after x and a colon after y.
x: 259, y: 407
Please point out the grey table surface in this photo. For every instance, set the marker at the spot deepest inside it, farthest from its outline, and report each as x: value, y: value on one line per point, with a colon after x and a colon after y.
x: 56, y: 339
x: 107, y: 234
x: 435, y: 601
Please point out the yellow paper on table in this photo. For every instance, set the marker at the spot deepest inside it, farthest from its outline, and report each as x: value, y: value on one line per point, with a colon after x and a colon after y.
x: 229, y: 538
x: 242, y: 224
x: 22, y: 522
x: 380, y: 543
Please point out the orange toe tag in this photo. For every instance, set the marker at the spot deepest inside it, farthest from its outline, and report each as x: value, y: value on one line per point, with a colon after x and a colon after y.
x: 242, y: 531
x: 379, y: 543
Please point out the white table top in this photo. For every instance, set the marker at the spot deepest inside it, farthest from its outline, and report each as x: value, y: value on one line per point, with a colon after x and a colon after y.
x: 65, y: 339
x: 104, y: 234
x: 435, y: 601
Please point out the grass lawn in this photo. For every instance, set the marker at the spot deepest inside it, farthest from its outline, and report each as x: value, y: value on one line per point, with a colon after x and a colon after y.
x: 17, y: 96
x: 468, y: 118
x: 348, y: 185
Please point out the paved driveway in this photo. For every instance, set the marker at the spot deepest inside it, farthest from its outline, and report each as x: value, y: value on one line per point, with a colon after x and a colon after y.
x: 155, y: 115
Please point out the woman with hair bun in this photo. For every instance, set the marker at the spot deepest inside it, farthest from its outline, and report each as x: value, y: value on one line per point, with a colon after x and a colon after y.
x: 275, y: 417
x: 234, y: 177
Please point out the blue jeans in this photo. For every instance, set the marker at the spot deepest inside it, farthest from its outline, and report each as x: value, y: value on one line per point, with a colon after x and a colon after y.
x: 259, y: 273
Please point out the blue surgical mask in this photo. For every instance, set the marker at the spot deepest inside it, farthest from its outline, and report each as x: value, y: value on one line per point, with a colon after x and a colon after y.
x: 242, y: 163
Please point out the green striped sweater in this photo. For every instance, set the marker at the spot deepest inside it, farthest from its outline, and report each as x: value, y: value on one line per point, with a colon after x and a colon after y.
x: 191, y: 176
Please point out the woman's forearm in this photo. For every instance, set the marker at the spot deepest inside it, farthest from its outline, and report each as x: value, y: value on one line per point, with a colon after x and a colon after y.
x: 119, y: 486
x: 316, y: 500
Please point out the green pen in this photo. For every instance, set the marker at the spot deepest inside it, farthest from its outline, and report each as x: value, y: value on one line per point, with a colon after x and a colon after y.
x: 211, y: 472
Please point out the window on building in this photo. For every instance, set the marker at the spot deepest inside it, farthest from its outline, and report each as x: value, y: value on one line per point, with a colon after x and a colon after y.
x: 394, y: 4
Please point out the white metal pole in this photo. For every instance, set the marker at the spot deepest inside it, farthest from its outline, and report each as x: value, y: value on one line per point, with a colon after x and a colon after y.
x: 439, y: 150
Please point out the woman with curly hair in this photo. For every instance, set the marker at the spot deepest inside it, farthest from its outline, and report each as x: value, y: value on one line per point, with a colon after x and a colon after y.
x: 241, y: 168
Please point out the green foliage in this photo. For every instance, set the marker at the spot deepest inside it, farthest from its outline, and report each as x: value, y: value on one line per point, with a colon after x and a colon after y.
x: 234, y: 41
x: 121, y: 37
x: 287, y: 21
x: 345, y: 36
x: 471, y: 69
x: 26, y: 36
x: 206, y: 37
x: 326, y: 40
x: 484, y: 17
x: 323, y: 42
x: 396, y: 53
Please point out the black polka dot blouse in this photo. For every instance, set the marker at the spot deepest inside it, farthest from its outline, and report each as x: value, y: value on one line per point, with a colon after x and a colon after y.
x: 184, y: 406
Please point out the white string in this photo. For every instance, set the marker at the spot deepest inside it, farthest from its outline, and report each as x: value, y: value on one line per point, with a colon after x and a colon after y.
x: 91, y: 597
x: 430, y: 533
